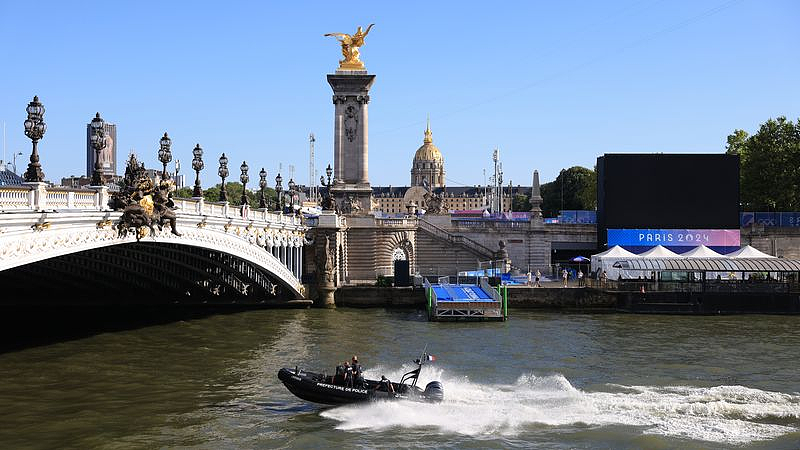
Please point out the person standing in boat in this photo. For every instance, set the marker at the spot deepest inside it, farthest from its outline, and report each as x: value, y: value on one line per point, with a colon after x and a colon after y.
x: 348, y: 374
x: 339, y: 379
x: 386, y: 385
x: 358, y: 377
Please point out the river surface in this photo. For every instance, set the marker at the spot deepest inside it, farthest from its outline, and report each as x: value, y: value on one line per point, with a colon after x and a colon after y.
x: 540, y: 380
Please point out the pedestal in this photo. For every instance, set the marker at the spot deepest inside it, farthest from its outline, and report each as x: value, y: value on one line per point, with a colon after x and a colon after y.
x: 326, y: 296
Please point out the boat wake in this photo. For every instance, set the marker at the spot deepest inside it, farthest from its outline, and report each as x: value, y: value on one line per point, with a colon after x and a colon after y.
x: 726, y: 414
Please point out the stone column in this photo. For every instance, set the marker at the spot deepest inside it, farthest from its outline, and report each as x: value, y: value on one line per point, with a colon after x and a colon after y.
x: 300, y: 264
x: 351, y: 186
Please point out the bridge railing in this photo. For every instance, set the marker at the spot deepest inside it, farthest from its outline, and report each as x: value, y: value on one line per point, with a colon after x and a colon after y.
x: 38, y: 197
x: 15, y: 198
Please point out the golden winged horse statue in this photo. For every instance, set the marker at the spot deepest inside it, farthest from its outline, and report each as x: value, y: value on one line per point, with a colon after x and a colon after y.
x: 350, y: 44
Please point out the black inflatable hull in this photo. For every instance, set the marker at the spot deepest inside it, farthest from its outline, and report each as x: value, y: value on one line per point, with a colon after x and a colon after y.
x: 319, y: 388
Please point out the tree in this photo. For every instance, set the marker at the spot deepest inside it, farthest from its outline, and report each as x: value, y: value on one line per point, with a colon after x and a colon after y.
x: 233, y: 192
x: 579, y: 187
x: 520, y: 202
x: 769, y: 165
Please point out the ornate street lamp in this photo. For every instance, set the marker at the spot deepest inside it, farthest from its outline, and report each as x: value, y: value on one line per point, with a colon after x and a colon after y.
x: 164, y: 153
x: 327, y: 202
x: 278, y: 190
x: 197, y: 165
x: 223, y: 173
x: 262, y: 183
x: 98, y: 140
x: 244, y: 179
x: 34, y: 129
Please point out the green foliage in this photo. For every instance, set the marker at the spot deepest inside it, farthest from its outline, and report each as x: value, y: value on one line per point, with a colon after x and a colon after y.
x: 579, y: 186
x: 183, y: 192
x: 770, y: 166
x: 521, y: 203
x: 234, y: 195
x: 383, y: 281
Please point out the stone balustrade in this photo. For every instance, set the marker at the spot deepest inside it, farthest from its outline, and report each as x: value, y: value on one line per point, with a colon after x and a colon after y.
x: 403, y: 222
x: 38, y: 197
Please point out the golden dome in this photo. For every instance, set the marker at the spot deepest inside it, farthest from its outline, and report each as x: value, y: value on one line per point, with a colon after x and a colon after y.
x: 428, y: 151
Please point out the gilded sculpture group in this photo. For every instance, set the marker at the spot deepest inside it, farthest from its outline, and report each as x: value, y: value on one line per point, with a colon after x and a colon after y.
x: 350, y: 44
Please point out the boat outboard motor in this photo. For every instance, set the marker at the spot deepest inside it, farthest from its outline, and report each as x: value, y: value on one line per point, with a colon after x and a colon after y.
x: 434, y: 392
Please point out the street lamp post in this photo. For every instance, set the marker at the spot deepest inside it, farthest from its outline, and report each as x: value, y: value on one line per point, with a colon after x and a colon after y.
x: 164, y: 153
x: 244, y: 178
x: 14, y: 161
x: 197, y: 165
x: 223, y: 173
x: 262, y: 183
x: 98, y: 140
x: 292, y: 187
x: 327, y: 203
x: 278, y: 190
x: 34, y: 129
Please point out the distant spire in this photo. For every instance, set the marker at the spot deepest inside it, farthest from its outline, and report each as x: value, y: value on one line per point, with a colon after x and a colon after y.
x: 428, y: 135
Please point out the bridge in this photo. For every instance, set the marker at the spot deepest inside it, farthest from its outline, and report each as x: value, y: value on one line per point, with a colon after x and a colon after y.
x: 59, y: 244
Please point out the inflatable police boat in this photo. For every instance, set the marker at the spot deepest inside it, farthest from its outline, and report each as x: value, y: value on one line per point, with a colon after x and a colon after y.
x: 332, y: 390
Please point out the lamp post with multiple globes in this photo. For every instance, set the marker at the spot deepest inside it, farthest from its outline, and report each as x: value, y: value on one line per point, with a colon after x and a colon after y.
x: 244, y: 178
x: 34, y: 129
x: 98, y: 141
x: 164, y: 154
x: 197, y: 165
x: 223, y: 173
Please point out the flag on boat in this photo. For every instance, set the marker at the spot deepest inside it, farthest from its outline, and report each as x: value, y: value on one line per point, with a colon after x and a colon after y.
x: 430, y: 357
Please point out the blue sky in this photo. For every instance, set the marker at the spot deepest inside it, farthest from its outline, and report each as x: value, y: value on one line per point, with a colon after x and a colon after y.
x: 552, y: 84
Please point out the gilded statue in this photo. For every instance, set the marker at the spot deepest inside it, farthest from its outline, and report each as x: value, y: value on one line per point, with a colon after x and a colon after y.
x: 350, y: 45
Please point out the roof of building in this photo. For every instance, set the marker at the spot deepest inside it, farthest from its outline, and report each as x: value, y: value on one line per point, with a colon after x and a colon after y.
x: 9, y: 178
x: 710, y: 264
x: 450, y: 191
x: 428, y: 151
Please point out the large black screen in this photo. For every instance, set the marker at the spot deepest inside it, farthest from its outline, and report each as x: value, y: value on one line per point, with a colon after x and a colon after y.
x: 667, y: 191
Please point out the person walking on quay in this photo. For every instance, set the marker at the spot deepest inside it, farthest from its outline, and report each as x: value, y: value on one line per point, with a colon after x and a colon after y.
x: 603, y: 277
x: 529, y: 278
x: 580, y: 278
x: 538, y: 277
x: 565, y: 276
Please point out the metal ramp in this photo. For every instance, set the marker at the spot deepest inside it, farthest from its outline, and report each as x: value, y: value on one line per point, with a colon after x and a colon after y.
x: 466, y: 302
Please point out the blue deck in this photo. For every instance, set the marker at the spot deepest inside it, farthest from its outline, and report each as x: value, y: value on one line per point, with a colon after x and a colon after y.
x: 461, y: 293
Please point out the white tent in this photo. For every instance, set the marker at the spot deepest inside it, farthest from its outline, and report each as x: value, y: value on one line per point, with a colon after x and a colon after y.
x: 605, y: 261
x: 659, y: 251
x: 748, y: 252
x: 701, y: 251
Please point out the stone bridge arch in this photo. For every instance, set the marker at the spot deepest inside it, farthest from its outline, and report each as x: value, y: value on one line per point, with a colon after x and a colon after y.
x: 216, y: 259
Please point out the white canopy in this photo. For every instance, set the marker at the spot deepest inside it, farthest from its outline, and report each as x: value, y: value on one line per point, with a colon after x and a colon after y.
x: 605, y: 261
x: 701, y: 251
x: 748, y: 252
x: 659, y: 251
x: 615, y: 252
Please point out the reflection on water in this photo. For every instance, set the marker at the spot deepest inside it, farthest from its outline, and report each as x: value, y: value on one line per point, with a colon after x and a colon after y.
x: 538, y: 380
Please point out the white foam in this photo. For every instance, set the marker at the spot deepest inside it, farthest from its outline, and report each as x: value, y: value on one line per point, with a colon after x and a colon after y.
x: 728, y: 414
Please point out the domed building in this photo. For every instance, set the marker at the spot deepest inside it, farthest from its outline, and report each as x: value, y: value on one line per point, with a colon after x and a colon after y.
x: 427, y: 168
x: 428, y: 163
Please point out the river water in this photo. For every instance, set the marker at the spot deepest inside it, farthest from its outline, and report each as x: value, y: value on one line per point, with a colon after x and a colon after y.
x: 540, y: 380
